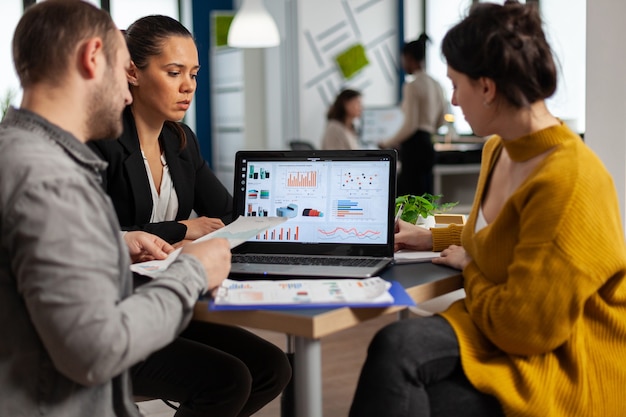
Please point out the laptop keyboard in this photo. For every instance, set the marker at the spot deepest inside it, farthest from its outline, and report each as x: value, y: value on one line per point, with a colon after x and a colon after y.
x: 303, y: 260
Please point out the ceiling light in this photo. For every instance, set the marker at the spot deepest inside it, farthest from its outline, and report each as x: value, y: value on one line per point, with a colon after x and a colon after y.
x: 253, y: 27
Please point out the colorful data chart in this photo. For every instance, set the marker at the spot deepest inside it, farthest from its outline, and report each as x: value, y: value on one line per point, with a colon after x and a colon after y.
x: 352, y: 233
x: 257, y: 211
x: 262, y: 174
x: 359, y: 181
x: 348, y: 208
x: 309, y: 212
x: 291, y: 210
x: 298, y: 179
x: 281, y: 234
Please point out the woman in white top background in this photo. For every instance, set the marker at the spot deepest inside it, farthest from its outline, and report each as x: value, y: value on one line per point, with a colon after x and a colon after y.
x: 424, y: 106
x: 340, y: 131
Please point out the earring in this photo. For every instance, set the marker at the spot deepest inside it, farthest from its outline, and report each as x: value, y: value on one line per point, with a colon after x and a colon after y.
x: 487, y: 105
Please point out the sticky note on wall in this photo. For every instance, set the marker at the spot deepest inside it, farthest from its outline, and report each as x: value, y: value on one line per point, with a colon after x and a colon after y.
x: 221, y: 25
x: 352, y: 60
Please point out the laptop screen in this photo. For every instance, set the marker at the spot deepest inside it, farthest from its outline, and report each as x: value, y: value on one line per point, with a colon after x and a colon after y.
x: 336, y: 202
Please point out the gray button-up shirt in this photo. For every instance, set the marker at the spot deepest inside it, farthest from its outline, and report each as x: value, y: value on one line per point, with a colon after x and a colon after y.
x: 71, y: 324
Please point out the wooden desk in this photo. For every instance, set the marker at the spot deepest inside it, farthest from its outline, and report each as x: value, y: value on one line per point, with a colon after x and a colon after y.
x: 305, y: 328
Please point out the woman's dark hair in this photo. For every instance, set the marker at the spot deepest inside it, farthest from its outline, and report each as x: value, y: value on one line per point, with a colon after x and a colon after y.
x: 507, y: 44
x: 145, y: 39
x: 416, y: 49
x: 337, y: 110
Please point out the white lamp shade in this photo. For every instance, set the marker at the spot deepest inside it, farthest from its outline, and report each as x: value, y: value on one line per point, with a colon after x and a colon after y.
x: 253, y: 27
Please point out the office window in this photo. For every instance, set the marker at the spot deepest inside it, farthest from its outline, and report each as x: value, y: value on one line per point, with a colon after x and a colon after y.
x: 9, y: 84
x: 96, y: 2
x: 126, y: 12
x: 440, y: 17
x: 566, y: 34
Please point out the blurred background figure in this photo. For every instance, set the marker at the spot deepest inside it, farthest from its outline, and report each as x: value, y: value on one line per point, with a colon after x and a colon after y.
x: 424, y: 106
x: 340, y: 131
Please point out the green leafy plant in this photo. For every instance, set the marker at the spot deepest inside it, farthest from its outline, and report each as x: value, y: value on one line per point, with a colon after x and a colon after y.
x: 5, y: 101
x: 424, y: 205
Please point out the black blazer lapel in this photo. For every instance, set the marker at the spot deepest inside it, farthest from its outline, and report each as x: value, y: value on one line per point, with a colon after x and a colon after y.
x: 135, y: 170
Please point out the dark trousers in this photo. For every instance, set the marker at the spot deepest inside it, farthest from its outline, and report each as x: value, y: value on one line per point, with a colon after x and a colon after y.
x: 214, y: 370
x: 417, y: 158
x: 413, y: 370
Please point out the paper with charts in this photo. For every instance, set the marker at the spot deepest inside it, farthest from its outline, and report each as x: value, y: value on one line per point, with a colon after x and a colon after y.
x: 304, y: 291
x: 236, y: 233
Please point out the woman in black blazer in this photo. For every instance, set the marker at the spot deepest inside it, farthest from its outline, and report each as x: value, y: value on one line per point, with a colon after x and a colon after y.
x: 155, y: 177
x: 197, y: 188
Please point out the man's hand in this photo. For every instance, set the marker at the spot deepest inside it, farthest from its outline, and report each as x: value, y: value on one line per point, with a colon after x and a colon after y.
x: 214, y: 254
x: 144, y: 246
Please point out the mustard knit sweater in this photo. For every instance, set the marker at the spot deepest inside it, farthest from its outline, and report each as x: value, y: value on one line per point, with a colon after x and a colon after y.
x: 543, y: 324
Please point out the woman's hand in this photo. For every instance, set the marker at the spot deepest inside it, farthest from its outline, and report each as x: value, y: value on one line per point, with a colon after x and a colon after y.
x: 412, y: 237
x: 181, y: 243
x: 201, y: 226
x: 144, y: 246
x: 454, y: 257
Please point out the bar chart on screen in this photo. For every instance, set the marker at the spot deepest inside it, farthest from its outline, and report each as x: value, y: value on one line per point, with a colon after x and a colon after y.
x: 280, y: 234
x: 299, y: 179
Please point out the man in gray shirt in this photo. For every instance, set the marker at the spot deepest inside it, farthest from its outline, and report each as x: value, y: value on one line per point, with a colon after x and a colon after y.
x: 71, y: 324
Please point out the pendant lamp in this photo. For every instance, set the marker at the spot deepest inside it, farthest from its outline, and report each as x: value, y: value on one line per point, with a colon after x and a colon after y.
x: 253, y: 27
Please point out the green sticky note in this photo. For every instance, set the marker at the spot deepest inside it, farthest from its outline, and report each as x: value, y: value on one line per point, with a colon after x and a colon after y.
x: 221, y: 27
x: 352, y: 60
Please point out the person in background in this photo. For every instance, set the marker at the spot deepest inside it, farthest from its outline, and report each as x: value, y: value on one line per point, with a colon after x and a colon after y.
x: 340, y: 132
x: 156, y: 175
x: 424, y: 107
x: 162, y: 78
x: 541, y: 331
x: 73, y: 324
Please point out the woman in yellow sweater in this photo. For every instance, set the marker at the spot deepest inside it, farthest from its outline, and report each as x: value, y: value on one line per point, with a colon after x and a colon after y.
x: 542, y: 330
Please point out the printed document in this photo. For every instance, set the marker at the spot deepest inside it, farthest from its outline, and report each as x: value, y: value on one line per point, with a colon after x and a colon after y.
x: 302, y: 291
x: 236, y: 233
x: 414, y: 256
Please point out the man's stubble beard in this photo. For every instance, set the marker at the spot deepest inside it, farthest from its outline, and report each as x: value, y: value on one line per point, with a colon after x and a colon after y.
x: 104, y: 119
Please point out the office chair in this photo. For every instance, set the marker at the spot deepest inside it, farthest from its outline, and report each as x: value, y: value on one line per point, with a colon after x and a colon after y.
x: 301, y: 145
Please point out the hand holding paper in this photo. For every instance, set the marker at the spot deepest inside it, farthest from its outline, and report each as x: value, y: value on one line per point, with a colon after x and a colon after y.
x: 236, y: 233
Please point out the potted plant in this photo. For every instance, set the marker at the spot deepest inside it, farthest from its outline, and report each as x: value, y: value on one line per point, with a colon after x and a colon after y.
x: 420, y: 210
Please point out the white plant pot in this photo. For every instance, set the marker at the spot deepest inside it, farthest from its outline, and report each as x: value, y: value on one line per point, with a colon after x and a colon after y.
x: 426, y: 223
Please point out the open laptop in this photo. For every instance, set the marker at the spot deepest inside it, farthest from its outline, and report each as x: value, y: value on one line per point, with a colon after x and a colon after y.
x: 339, y: 206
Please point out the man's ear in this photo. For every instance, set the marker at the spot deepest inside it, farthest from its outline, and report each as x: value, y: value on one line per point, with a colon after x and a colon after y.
x: 91, y: 55
x: 131, y: 74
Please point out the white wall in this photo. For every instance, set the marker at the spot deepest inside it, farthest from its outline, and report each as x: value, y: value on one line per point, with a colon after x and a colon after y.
x: 327, y: 28
x: 606, y: 92
x: 9, y: 84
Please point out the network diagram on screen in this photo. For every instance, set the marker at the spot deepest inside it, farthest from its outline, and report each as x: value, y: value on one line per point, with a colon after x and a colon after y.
x: 324, y: 201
